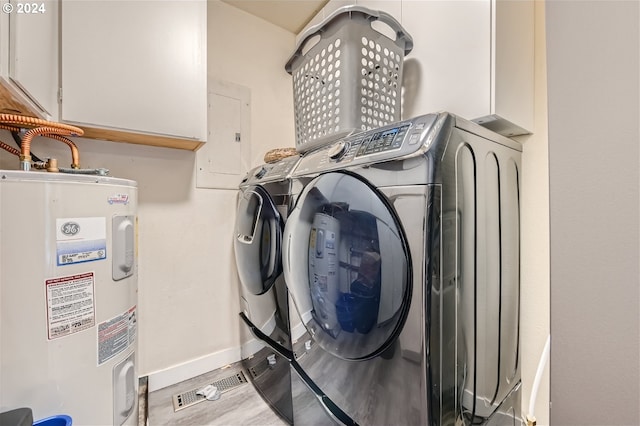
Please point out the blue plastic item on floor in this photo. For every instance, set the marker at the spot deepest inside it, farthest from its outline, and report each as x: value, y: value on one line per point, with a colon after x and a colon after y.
x: 60, y: 420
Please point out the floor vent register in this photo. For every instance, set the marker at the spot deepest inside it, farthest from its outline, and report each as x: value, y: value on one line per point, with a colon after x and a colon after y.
x: 195, y: 396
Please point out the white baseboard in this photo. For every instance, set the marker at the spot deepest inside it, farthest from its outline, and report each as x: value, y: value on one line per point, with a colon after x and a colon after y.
x: 298, y: 330
x: 176, y: 374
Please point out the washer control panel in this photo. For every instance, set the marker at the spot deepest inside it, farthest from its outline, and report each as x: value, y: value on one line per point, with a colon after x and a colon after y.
x: 387, y: 140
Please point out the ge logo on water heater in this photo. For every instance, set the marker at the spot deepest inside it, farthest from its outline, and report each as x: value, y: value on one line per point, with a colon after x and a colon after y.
x: 70, y: 228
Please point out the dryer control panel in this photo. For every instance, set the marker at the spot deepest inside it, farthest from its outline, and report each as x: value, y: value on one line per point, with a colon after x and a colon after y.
x: 373, y: 146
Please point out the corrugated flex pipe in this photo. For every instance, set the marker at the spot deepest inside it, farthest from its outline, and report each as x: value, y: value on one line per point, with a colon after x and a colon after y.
x: 40, y: 127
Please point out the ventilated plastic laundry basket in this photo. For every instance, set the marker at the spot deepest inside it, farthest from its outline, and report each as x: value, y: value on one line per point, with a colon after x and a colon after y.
x: 347, y: 75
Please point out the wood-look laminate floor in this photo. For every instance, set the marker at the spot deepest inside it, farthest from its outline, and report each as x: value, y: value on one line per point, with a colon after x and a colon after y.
x: 240, y: 406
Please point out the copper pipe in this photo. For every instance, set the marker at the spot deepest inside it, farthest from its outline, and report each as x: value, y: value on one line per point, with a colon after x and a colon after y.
x: 40, y: 127
x: 9, y: 128
x: 21, y: 121
x: 9, y: 148
x: 39, y: 131
x: 75, y: 155
x: 6, y: 147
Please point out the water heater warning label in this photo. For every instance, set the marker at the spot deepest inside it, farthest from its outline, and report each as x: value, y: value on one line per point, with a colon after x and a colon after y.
x: 115, y: 335
x: 70, y: 304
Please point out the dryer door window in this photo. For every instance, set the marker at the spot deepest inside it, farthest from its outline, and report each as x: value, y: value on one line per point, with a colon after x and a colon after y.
x: 258, y: 239
x: 347, y: 266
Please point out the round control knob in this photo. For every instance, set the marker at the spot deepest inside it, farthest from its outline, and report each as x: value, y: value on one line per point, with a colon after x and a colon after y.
x: 337, y: 150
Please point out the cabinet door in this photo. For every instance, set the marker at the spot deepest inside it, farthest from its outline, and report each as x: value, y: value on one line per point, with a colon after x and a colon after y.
x: 450, y: 66
x: 135, y: 66
x: 473, y: 58
x: 29, y: 37
x: 513, y: 35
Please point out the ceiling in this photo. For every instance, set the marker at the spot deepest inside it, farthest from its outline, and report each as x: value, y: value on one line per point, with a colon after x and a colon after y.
x: 292, y: 15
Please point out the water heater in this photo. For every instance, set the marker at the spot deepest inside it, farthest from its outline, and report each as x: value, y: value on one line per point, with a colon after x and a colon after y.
x: 68, y: 296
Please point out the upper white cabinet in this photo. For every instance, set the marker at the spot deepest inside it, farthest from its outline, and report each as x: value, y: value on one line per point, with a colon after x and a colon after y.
x: 511, y: 108
x: 29, y: 58
x: 135, y: 71
x: 473, y: 58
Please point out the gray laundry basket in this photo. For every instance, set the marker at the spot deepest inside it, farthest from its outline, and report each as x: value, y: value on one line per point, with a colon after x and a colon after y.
x: 350, y: 79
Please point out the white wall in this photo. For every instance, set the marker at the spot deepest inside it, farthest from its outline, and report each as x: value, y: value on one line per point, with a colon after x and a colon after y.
x: 201, y: 294
x: 188, y: 300
x: 251, y: 52
x: 534, y: 314
x: 594, y: 162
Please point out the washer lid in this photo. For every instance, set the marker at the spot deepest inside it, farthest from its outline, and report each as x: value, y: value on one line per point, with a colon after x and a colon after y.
x: 347, y: 266
x: 258, y: 240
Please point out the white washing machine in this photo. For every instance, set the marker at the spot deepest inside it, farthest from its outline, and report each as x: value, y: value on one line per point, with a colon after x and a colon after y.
x: 402, y: 259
